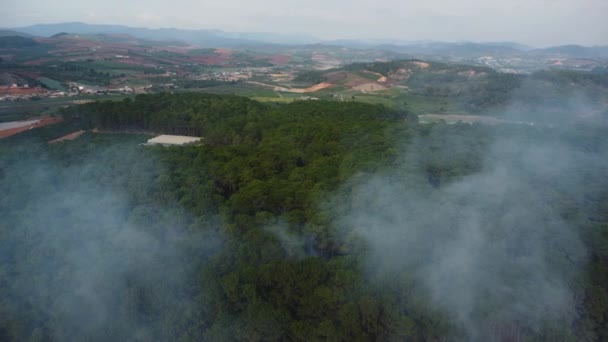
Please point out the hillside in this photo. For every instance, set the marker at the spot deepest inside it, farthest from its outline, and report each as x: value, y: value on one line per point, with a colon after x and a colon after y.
x: 302, y: 221
x: 574, y: 51
x: 4, y: 33
x: 16, y: 42
x: 215, y: 38
x: 474, y: 89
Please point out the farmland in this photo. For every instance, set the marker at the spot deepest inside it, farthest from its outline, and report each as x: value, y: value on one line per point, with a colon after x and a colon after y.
x: 52, y: 72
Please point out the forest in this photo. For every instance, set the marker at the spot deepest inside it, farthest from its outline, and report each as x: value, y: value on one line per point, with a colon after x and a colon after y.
x: 307, y: 221
x: 16, y: 42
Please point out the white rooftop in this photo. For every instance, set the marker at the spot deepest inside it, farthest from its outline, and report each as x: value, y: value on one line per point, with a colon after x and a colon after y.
x: 173, y: 140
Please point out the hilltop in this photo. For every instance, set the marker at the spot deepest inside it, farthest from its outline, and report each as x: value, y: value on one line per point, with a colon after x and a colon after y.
x: 211, y: 37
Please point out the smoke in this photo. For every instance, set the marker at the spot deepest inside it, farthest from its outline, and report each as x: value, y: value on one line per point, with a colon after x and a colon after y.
x: 541, y: 100
x: 93, y: 251
x: 296, y: 246
x: 492, y: 249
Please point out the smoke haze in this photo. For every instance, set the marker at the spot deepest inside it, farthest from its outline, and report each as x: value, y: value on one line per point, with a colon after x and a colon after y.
x: 493, y: 249
x: 90, y: 258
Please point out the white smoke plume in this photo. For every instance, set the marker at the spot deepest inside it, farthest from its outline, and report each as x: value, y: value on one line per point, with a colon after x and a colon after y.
x: 490, y: 249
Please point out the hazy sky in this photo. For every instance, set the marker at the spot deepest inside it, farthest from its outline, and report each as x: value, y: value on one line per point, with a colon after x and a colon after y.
x: 537, y: 22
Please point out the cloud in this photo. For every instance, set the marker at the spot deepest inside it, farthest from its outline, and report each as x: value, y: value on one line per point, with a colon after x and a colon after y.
x: 149, y: 18
x: 90, y: 14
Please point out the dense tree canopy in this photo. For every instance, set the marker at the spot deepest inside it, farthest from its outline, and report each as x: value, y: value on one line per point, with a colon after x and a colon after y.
x: 238, y: 238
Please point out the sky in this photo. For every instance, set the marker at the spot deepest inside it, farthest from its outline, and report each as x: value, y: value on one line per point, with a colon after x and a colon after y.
x: 534, y: 22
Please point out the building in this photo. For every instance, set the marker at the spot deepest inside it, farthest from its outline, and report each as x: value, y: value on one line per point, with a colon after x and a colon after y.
x: 173, y: 140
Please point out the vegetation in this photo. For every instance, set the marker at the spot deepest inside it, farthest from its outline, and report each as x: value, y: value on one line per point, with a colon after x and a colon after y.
x: 311, y: 77
x: 479, y: 90
x: 51, y: 84
x: 16, y: 42
x: 262, y: 184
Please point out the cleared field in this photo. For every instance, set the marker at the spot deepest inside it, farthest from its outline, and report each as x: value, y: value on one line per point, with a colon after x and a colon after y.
x: 67, y: 137
x: 422, y: 65
x: 372, y: 76
x: 21, y: 91
x: 274, y: 99
x: 311, y: 89
x: 13, y: 111
x: 369, y: 87
x: 31, y: 125
x: 400, y: 99
x: 16, y: 124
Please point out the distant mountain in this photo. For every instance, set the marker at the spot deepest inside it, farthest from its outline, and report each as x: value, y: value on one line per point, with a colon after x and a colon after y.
x: 365, y: 43
x: 512, y: 45
x: 219, y: 38
x: 425, y: 49
x: 462, y: 50
x: 430, y: 46
x: 574, y: 51
x: 272, y: 38
x: 5, y: 33
x: 211, y: 38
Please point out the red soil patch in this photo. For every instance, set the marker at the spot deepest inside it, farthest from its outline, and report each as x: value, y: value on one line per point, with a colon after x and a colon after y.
x: 421, y: 65
x: 135, y: 61
x: 179, y: 49
x: 279, y: 59
x: 21, y: 91
x: 221, y: 57
x: 318, y: 87
x: 67, y: 137
x: 27, y: 74
x: 43, y: 122
x: 312, y: 89
x: 226, y: 52
x: 38, y: 61
x: 211, y: 60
